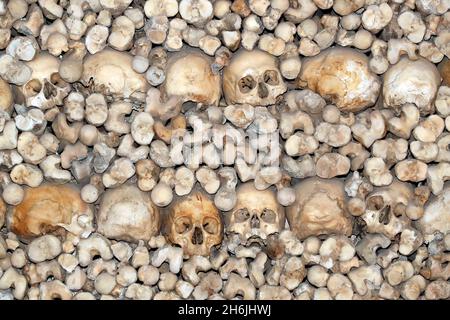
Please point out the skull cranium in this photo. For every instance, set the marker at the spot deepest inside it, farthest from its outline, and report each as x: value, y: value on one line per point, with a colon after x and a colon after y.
x: 341, y: 76
x: 320, y: 208
x: 194, y: 223
x: 253, y: 77
x: 256, y: 215
x: 190, y: 77
x: 45, y: 89
x: 51, y: 208
x: 110, y: 72
x: 127, y: 213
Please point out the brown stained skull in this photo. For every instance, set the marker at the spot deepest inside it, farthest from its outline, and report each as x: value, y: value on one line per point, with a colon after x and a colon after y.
x: 46, y: 88
x: 253, y: 77
x: 51, y: 208
x: 256, y: 215
x: 319, y: 209
x: 194, y: 223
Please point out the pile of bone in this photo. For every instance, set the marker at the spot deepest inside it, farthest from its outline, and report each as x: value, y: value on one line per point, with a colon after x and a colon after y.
x: 224, y: 149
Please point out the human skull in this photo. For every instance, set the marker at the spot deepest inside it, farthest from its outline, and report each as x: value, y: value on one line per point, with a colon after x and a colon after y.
x: 386, y: 207
x: 189, y: 76
x: 341, y: 76
x: 436, y: 217
x: 110, y: 73
x: 253, y: 77
x: 46, y: 88
x: 127, y: 213
x: 411, y: 81
x: 194, y: 223
x: 256, y: 215
x: 51, y: 209
x: 319, y: 209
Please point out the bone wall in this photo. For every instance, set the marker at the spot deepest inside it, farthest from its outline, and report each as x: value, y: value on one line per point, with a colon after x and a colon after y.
x: 219, y: 149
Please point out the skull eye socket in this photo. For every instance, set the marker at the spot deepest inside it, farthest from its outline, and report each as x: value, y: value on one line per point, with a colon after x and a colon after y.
x: 56, y: 80
x: 33, y: 87
x: 210, y: 226
x: 384, y: 217
x: 375, y: 203
x: 246, y: 84
x: 268, y: 216
x: 241, y: 215
x: 183, y: 225
x: 271, y: 77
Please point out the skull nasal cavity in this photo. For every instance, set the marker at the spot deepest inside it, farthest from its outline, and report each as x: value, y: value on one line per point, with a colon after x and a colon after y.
x: 49, y: 90
x: 384, y: 217
x: 197, y: 236
x: 262, y: 90
x: 255, y: 222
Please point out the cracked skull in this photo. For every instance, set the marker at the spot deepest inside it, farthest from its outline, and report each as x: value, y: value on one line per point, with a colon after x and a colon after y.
x: 194, y: 223
x: 256, y: 215
x: 320, y: 208
x: 253, y: 77
x: 190, y: 77
x: 45, y: 89
x: 110, y: 72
